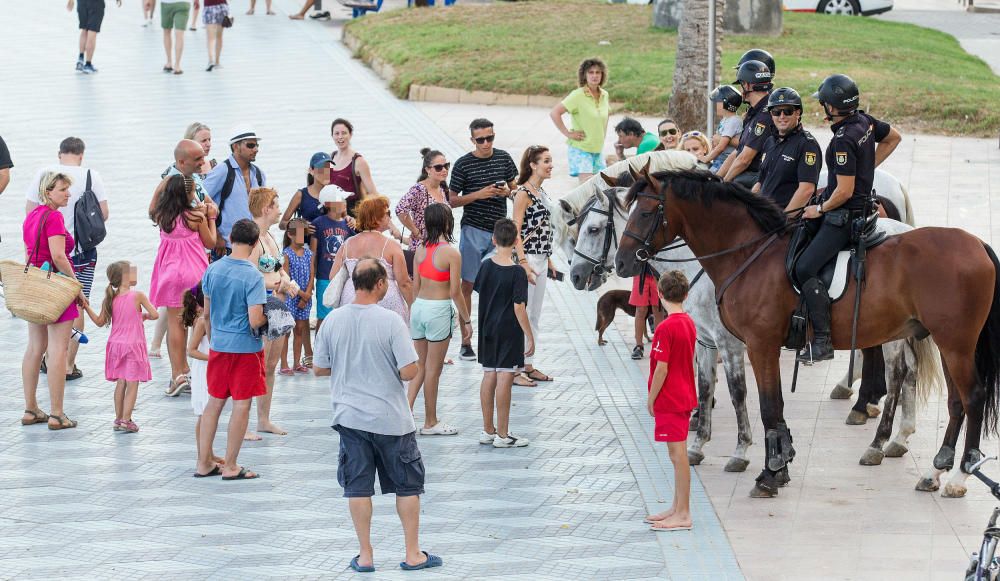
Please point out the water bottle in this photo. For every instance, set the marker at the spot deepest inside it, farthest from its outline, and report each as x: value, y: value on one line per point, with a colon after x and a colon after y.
x: 79, y: 337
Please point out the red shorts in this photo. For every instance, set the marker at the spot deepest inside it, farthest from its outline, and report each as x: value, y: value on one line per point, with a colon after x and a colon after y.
x: 645, y: 297
x: 236, y: 375
x: 671, y: 426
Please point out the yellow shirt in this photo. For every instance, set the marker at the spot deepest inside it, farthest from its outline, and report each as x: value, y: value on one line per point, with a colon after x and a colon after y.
x: 588, y: 116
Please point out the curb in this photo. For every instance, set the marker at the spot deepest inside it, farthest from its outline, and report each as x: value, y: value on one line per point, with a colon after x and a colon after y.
x: 437, y: 94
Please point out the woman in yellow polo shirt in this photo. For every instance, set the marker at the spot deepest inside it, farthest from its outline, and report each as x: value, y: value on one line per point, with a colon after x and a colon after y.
x: 588, y: 110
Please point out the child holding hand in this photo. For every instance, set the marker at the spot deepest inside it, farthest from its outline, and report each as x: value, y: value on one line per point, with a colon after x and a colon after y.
x: 672, y: 395
x: 299, y: 266
x: 126, y: 360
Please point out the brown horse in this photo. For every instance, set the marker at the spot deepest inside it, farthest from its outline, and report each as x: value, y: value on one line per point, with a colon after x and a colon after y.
x: 938, y: 281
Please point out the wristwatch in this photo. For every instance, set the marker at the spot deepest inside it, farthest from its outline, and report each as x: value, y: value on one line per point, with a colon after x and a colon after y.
x: 819, y: 208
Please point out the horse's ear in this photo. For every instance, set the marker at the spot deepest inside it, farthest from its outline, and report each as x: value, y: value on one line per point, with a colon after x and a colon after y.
x: 565, y: 206
x: 635, y: 175
x: 609, y: 180
x: 645, y: 168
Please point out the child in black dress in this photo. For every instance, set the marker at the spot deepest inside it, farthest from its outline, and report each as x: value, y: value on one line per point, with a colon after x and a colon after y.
x: 504, y: 334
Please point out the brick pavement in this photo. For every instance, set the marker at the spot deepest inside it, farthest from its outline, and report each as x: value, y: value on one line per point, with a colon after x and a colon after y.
x: 90, y: 503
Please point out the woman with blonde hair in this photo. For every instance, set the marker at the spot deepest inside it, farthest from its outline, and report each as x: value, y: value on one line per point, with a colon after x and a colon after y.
x: 47, y: 243
x: 695, y: 143
x: 374, y: 219
x: 202, y: 135
x: 588, y: 106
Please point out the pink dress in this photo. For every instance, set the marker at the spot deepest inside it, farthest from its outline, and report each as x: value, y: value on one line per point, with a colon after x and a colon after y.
x: 125, y: 354
x: 55, y: 225
x: 180, y: 263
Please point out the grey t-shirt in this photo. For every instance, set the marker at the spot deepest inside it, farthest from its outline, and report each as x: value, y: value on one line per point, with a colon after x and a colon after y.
x: 729, y: 127
x: 364, y: 347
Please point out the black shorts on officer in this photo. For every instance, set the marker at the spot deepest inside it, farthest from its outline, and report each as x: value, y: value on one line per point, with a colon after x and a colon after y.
x: 396, y: 459
x: 91, y: 14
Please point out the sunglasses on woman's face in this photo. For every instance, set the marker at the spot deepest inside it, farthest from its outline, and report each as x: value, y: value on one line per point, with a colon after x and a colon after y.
x: 666, y: 132
x: 441, y: 166
x: 485, y: 139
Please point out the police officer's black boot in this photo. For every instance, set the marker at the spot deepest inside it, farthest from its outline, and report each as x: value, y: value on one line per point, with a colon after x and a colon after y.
x: 818, y: 303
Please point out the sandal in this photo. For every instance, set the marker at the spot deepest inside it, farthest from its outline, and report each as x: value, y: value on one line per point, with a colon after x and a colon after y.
x: 177, y: 385
x: 64, y: 422
x: 75, y: 374
x: 301, y: 369
x: 524, y: 381
x: 307, y: 362
x: 130, y: 426
x: 286, y: 371
x: 37, y: 417
x: 119, y: 426
x: 168, y: 69
x: 539, y: 377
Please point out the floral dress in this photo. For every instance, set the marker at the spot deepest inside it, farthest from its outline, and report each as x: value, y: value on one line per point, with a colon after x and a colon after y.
x: 298, y: 270
x: 413, y: 203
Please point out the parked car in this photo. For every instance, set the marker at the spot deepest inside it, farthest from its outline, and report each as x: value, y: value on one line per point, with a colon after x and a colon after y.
x: 864, y: 7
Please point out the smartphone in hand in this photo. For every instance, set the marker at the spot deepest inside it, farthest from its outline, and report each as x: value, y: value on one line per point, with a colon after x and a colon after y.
x: 556, y: 275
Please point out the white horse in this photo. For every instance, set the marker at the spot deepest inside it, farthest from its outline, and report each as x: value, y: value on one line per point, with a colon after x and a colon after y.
x: 908, y: 363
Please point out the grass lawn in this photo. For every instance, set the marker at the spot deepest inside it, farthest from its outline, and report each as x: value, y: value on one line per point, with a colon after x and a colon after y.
x: 911, y: 76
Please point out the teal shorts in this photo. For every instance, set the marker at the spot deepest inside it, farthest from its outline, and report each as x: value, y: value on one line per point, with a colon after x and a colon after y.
x: 431, y: 320
x: 321, y: 310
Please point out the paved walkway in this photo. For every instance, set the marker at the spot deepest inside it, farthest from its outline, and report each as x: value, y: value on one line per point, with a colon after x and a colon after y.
x: 93, y: 504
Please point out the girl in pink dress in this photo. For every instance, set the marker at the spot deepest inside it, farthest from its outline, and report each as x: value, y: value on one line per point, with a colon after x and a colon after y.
x: 126, y: 362
x: 187, y: 230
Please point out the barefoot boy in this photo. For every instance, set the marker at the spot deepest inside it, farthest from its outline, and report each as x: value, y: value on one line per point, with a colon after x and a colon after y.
x: 672, y: 395
x: 504, y: 334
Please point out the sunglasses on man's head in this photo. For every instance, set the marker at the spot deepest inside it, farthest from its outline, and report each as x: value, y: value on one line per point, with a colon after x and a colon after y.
x: 787, y: 112
x: 485, y: 139
x: 666, y: 132
x: 441, y: 166
x: 251, y: 145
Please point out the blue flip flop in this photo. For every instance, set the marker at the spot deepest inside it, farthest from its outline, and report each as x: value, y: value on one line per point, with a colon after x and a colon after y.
x: 432, y: 561
x: 361, y: 568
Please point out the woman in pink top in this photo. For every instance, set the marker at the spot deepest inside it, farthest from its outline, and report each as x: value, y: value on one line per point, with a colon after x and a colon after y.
x: 46, y: 241
x: 431, y: 188
x: 187, y: 230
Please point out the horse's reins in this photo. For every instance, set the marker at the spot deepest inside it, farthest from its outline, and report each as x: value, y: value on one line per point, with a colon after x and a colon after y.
x: 645, y: 252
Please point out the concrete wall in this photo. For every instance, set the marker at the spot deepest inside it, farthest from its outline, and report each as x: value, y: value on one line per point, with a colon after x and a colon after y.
x: 740, y: 16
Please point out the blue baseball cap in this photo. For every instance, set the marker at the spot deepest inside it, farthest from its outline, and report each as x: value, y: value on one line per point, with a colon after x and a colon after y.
x: 319, y: 159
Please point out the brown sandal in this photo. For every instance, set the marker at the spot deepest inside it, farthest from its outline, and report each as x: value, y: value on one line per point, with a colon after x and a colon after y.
x: 37, y: 417
x: 64, y: 422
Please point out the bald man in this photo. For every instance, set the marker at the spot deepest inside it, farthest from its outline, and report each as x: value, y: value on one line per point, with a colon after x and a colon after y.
x: 188, y: 159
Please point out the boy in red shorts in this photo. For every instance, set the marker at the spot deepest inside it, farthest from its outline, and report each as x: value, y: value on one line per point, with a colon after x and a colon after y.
x: 234, y: 306
x: 672, y: 395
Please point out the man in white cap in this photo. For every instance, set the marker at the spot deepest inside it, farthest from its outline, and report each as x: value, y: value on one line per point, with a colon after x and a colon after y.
x: 230, y: 182
x: 331, y: 230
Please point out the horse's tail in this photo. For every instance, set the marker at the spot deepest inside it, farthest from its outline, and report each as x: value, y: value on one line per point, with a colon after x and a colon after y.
x: 988, y: 353
x: 906, y: 203
x: 930, y: 378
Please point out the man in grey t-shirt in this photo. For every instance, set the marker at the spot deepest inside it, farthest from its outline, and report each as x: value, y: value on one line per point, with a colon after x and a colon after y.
x: 367, y: 353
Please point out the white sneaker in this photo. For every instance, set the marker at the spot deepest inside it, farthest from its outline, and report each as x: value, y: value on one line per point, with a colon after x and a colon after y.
x: 486, y: 437
x: 511, y: 441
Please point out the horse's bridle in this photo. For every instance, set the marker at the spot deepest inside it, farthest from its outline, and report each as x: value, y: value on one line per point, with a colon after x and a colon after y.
x: 647, y: 251
x: 600, y: 264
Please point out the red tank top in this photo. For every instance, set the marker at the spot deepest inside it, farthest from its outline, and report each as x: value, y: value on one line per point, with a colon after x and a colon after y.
x: 343, y: 177
x: 428, y: 270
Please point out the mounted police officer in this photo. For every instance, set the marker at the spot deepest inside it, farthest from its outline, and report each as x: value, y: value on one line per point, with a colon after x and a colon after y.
x: 754, y: 79
x: 792, y: 159
x: 758, y: 54
x: 851, y: 159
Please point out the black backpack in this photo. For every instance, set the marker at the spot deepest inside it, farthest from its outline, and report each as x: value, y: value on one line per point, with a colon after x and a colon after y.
x: 227, y: 187
x: 88, y: 220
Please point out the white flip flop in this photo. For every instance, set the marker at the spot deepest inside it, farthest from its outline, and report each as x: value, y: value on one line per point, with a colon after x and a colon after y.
x: 668, y: 530
x: 439, y: 429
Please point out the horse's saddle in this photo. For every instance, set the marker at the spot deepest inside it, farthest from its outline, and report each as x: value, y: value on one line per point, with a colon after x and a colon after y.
x: 834, y: 273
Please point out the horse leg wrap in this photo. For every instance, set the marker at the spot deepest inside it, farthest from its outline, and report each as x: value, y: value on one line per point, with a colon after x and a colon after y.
x: 945, y: 458
x: 787, y: 451
x: 772, y: 449
x: 782, y: 477
x: 766, y: 481
x: 969, y: 458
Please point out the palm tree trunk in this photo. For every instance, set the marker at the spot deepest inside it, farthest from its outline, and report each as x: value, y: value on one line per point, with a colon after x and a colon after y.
x: 690, y: 90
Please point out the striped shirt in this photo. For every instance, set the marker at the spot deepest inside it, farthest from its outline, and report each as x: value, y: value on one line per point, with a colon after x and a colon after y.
x: 471, y: 174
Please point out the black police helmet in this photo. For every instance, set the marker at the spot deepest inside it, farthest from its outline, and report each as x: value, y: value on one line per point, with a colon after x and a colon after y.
x: 756, y: 74
x: 784, y: 96
x: 839, y: 92
x: 728, y: 96
x: 758, y: 54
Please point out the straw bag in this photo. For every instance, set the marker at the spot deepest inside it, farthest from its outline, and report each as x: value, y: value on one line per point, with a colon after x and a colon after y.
x: 33, y: 294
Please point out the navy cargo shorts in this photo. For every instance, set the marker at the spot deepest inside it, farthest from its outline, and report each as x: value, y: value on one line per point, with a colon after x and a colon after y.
x: 396, y: 459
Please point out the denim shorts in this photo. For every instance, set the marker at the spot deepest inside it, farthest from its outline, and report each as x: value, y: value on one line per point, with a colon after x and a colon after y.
x: 581, y: 161
x: 474, y: 246
x: 396, y: 459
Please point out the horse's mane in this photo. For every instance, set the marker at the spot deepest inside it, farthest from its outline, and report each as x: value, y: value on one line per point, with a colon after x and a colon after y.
x: 706, y: 187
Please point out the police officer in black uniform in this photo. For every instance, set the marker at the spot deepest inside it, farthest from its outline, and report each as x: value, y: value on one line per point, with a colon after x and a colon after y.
x: 743, y: 165
x: 851, y: 159
x: 758, y: 54
x: 792, y: 158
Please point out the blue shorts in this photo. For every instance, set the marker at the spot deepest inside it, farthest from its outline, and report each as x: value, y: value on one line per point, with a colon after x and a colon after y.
x: 581, y: 161
x: 321, y: 310
x: 474, y: 246
x: 431, y: 320
x: 396, y: 459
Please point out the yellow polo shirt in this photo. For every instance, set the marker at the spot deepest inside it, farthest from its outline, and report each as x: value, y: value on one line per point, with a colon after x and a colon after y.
x: 588, y: 116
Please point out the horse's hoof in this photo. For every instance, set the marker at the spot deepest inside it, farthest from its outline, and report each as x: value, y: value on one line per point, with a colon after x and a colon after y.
x: 927, y: 485
x: 761, y: 492
x: 872, y: 457
x: 953, y: 491
x: 873, y: 410
x: 894, y: 450
x: 856, y: 418
x: 695, y: 457
x: 841, y: 392
x: 736, y: 464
